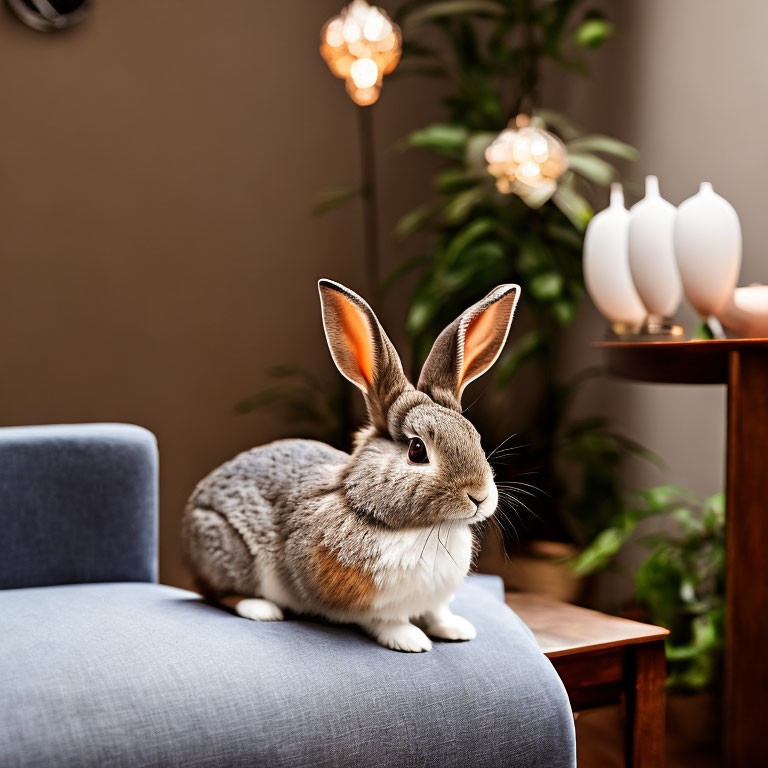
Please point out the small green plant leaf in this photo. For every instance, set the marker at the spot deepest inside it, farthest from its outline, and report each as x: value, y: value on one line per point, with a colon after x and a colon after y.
x: 593, y: 31
x: 527, y: 348
x: 334, y: 197
x: 591, y: 167
x: 445, y: 8
x: 599, y: 143
x: 546, y: 285
x: 458, y: 208
x: 414, y: 221
x: 444, y: 138
x: 573, y: 205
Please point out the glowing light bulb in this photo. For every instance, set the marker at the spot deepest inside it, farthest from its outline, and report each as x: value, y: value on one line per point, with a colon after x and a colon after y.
x: 334, y: 34
x: 351, y: 31
x: 361, y: 45
x: 529, y: 169
x: 527, y: 160
x: 521, y: 150
x: 539, y: 149
x: 364, y: 73
x: 377, y: 26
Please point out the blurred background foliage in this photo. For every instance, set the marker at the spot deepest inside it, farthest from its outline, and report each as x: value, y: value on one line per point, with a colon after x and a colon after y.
x: 681, y: 582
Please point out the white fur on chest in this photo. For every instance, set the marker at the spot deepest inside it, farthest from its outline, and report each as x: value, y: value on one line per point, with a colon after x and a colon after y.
x: 419, y: 570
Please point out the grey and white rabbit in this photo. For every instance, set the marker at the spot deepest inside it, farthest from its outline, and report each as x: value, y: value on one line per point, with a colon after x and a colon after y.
x: 381, y: 537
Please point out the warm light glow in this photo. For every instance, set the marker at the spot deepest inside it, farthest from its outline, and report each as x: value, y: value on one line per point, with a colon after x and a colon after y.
x: 526, y: 160
x: 365, y: 73
x: 361, y: 45
x: 529, y: 170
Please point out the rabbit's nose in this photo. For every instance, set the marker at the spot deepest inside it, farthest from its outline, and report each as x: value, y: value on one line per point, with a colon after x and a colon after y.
x: 476, y: 502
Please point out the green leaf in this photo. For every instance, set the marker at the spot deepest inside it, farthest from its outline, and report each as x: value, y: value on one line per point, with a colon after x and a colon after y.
x: 591, y: 167
x: 458, y: 208
x: 559, y: 122
x: 546, y: 285
x: 714, y: 511
x: 564, y: 311
x: 565, y: 234
x: 703, y: 331
x: 402, y: 269
x: 422, y: 310
x: 444, y: 8
x: 334, y: 197
x: 475, y: 153
x: 599, y: 143
x: 593, y: 31
x: 444, y: 138
x: 632, y: 446
x: 573, y: 205
x: 527, y: 348
x: 468, y: 234
x: 662, y: 497
x: 413, y: 221
x: 602, y: 550
x: 454, y: 180
x: 533, y: 256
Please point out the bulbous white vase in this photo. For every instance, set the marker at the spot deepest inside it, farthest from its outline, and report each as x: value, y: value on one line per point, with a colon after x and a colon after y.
x: 745, y: 312
x: 606, y: 266
x: 652, y: 256
x: 707, y: 239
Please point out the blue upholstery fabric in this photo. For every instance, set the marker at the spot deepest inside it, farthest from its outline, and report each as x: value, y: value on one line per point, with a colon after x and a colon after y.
x: 146, y: 675
x: 78, y: 503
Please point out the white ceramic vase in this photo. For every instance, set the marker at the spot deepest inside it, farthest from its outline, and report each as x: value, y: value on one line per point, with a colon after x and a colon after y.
x: 652, y: 255
x: 745, y: 312
x: 606, y: 267
x: 707, y: 239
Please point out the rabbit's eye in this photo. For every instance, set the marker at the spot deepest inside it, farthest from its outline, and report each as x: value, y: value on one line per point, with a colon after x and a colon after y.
x: 417, y: 451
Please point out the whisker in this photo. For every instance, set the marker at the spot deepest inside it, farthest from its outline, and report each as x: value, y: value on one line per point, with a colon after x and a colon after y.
x: 509, y: 449
x: 514, y: 434
x: 464, y: 410
x: 446, y: 548
x: 421, y: 556
x: 501, y: 521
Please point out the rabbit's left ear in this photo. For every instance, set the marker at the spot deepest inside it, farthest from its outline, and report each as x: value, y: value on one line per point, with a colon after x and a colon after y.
x: 469, y: 346
x: 361, y: 350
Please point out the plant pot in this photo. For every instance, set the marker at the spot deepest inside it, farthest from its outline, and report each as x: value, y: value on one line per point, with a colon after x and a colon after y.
x: 541, y: 567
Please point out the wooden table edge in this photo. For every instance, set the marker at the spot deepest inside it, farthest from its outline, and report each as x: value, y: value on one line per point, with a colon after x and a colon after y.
x: 559, y: 653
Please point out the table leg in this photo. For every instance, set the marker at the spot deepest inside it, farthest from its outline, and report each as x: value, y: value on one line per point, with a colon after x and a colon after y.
x: 646, y: 705
x: 746, y: 655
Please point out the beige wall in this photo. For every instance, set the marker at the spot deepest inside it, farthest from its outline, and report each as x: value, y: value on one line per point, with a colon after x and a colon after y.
x: 157, y: 171
x: 158, y: 167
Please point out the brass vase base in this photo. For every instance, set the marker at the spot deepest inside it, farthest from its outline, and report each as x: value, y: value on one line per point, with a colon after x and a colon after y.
x: 655, y: 328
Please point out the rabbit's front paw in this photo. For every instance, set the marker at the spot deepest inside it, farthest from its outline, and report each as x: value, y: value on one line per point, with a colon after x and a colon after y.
x: 448, y: 626
x: 401, y: 637
x: 256, y: 609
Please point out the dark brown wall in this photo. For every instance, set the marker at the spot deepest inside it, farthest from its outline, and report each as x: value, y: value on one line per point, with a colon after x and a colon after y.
x: 158, y: 167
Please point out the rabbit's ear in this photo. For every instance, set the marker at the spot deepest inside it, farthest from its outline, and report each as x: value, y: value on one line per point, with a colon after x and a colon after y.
x: 469, y: 346
x: 361, y: 349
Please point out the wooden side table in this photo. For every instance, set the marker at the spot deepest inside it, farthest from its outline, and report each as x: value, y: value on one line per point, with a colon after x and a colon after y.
x: 602, y: 659
x: 741, y: 364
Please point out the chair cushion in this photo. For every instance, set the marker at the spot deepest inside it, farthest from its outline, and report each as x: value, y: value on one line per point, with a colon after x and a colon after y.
x: 78, y: 503
x: 134, y: 674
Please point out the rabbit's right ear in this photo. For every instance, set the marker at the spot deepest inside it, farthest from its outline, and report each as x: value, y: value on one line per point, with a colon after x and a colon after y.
x: 361, y: 350
x: 469, y: 346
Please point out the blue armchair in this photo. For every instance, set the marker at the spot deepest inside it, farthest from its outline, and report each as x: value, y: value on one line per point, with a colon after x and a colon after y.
x: 101, y: 666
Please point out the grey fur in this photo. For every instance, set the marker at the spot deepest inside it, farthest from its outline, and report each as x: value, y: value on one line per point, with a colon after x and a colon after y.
x: 285, y: 511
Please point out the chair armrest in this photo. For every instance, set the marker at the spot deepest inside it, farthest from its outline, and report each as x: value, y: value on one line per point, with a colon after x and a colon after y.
x: 78, y: 503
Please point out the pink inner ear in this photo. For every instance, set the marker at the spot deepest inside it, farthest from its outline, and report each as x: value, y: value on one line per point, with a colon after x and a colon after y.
x: 483, y: 338
x: 357, y: 336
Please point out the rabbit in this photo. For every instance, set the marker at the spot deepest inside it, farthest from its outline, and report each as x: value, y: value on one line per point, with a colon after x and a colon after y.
x: 381, y: 537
